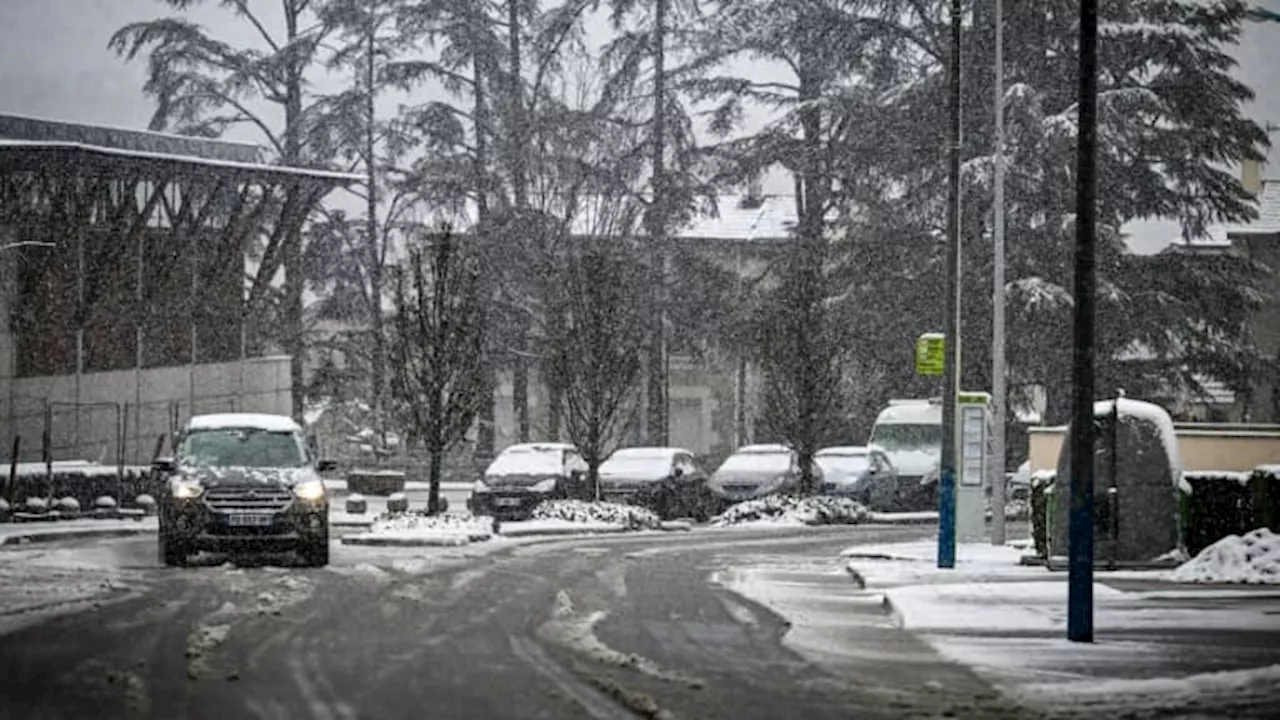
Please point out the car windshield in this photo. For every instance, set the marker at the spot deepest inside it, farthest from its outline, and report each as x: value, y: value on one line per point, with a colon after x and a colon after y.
x: 241, y: 447
x: 842, y: 464
x: 907, y: 437
x: 758, y: 462
x: 524, y: 461
x: 638, y: 462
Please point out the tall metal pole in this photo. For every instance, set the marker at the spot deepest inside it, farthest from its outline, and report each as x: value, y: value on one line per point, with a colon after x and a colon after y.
x: 999, y: 400
x: 1080, y: 550
x: 951, y: 369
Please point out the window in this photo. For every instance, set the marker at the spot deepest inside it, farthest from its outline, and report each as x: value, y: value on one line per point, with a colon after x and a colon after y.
x: 237, y: 447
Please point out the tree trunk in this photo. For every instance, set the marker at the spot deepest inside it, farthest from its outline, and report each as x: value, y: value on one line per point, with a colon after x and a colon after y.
x: 486, y: 435
x: 378, y: 369
x: 295, y: 342
x: 519, y: 187
x: 433, y: 481
x: 657, y: 221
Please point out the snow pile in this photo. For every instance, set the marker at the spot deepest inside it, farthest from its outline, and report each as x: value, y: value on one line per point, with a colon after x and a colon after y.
x: 1251, y: 558
x: 792, y: 510
x: 629, y: 517
x: 445, y: 528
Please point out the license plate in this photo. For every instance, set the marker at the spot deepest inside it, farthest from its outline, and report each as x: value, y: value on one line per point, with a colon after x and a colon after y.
x: 250, y: 520
x: 507, y: 502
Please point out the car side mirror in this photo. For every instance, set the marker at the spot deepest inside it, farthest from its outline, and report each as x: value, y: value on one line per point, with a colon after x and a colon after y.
x: 326, y: 466
x: 165, y: 464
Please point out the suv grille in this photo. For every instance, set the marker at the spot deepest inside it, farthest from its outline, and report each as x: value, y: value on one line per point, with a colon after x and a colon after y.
x: 250, y: 499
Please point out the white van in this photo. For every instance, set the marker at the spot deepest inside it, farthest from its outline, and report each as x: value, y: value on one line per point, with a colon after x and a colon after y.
x: 910, y: 434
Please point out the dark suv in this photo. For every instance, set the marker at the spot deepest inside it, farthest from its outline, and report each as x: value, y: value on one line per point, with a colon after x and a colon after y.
x: 242, y: 482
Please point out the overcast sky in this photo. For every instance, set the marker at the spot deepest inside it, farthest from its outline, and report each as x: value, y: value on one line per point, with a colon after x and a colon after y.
x: 54, y: 63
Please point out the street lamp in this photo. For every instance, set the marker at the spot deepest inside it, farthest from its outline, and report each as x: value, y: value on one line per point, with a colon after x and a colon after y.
x: 999, y: 399
x: 951, y: 369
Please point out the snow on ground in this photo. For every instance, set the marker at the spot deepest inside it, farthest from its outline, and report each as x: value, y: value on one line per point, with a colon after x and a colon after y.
x: 1251, y: 558
x: 40, y: 581
x: 11, y: 532
x: 628, y: 517
x: 1097, y: 697
x: 1008, y: 622
x: 789, y: 511
x: 558, y: 526
x: 417, y: 528
x: 893, y: 518
x: 897, y: 564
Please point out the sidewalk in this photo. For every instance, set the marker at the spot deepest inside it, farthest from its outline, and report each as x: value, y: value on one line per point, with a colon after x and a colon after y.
x: 1161, y: 648
x: 12, y: 533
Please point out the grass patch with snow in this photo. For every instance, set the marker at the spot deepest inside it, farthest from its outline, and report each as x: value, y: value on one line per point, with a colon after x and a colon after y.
x: 1250, y: 558
x: 793, y: 510
x: 629, y: 517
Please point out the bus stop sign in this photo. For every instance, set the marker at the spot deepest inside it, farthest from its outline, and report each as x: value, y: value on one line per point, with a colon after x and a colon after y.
x: 931, y: 354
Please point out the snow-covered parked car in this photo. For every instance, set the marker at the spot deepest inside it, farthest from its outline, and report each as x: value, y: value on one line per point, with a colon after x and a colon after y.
x: 524, y: 475
x: 862, y: 473
x: 669, y: 481
x: 242, y: 482
x: 756, y: 471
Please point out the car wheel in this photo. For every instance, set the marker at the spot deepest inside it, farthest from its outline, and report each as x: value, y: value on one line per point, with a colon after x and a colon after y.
x: 315, y: 552
x: 172, y: 553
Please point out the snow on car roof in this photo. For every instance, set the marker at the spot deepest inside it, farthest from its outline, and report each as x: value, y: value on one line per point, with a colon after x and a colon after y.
x: 921, y: 413
x: 538, y: 447
x: 655, y: 453
x: 844, y: 450
x: 256, y: 421
x: 763, y: 448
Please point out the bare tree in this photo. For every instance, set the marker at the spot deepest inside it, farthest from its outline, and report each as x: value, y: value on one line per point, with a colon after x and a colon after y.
x: 438, y: 336
x: 597, y: 361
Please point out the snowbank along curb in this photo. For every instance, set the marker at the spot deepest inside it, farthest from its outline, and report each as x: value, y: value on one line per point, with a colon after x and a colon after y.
x: 74, y: 534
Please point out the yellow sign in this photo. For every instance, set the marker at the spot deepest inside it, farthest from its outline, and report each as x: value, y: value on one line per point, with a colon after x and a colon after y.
x: 931, y: 354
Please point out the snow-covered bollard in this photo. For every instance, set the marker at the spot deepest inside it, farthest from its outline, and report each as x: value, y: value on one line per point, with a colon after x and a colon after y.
x: 357, y: 504
x: 104, y: 502
x: 36, y: 504
x: 397, y: 502
x: 147, y: 503
x: 68, y: 506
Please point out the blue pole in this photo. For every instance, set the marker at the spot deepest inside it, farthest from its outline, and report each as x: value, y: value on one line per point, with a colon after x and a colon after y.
x: 951, y: 368
x: 947, y: 519
x: 1080, y: 551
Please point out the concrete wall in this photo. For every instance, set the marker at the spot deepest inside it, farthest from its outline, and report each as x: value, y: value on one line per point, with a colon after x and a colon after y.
x: 1202, y: 447
x: 90, y: 416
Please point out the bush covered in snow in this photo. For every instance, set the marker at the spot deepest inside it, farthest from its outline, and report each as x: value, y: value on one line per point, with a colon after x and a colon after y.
x: 1250, y: 558
x: 357, y: 504
x: 790, y: 509
x: 578, y: 511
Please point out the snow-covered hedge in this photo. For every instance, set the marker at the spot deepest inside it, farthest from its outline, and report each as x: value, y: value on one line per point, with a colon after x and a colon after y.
x: 789, y: 509
x: 1251, y: 558
x: 578, y: 511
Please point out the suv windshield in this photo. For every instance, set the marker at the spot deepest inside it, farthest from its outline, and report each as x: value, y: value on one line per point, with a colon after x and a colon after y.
x: 241, y: 448
x: 906, y: 438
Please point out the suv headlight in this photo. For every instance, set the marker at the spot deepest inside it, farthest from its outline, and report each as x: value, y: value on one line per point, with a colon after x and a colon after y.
x: 480, y: 487
x: 310, y: 490
x: 185, y: 488
x: 545, y: 486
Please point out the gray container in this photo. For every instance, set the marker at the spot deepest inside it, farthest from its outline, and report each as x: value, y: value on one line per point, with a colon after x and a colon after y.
x: 1136, y: 519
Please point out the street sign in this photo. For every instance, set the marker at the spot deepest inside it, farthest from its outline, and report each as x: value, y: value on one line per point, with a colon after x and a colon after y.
x: 931, y: 354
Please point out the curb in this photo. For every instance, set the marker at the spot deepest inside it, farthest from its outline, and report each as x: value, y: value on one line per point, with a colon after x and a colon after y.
x: 85, y: 534
x: 458, y: 541
x: 558, y: 532
x: 890, y: 520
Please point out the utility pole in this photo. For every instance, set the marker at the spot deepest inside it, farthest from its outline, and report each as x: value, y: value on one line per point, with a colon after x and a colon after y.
x: 1080, y: 544
x: 951, y: 368
x: 999, y: 398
